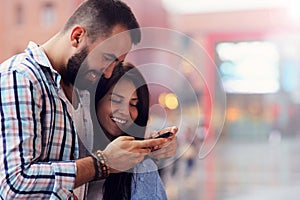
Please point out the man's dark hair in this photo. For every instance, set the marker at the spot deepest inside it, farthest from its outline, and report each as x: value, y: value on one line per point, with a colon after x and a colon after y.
x: 99, y: 17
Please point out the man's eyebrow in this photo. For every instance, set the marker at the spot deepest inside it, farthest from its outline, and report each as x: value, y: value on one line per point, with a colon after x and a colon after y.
x: 112, y: 56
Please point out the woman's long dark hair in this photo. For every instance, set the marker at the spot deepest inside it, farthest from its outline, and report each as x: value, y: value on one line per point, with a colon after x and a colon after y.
x: 118, y: 186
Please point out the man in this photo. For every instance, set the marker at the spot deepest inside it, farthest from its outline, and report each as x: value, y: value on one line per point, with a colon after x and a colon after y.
x: 38, y: 141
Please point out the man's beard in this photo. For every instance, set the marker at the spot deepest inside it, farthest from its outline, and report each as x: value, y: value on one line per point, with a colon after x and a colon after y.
x: 74, y: 63
x: 77, y: 63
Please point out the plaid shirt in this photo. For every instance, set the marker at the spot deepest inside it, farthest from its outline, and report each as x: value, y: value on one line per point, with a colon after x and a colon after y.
x: 38, y: 142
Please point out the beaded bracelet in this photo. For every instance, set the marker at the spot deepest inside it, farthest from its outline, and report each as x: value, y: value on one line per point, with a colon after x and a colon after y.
x: 101, y: 165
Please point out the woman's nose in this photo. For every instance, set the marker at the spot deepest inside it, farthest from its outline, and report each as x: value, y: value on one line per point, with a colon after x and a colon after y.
x: 123, y: 109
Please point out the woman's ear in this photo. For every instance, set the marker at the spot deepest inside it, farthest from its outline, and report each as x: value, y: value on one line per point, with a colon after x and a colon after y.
x: 77, y: 35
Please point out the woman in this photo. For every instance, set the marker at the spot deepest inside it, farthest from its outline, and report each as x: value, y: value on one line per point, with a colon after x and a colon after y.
x: 122, y: 108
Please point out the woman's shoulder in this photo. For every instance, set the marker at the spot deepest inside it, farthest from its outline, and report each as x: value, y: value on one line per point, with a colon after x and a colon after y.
x: 147, y: 165
x: 147, y: 183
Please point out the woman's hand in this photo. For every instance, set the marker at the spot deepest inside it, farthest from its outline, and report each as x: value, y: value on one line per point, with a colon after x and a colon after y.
x: 166, y: 151
x: 169, y: 148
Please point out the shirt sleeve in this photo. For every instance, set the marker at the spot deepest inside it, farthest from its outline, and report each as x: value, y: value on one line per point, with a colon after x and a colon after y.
x: 22, y: 175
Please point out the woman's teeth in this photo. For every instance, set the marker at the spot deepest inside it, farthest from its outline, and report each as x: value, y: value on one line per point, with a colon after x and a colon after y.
x: 121, y: 121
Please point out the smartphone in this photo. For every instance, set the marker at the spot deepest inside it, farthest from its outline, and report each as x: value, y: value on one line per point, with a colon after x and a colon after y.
x: 164, y: 135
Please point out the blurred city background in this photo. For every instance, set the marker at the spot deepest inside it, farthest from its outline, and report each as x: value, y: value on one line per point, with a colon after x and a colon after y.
x: 252, y: 47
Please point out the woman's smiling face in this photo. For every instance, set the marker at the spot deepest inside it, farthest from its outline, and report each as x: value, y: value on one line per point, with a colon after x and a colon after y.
x: 117, y: 110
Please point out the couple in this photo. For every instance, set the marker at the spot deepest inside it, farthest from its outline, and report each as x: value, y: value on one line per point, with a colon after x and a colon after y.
x: 39, y: 146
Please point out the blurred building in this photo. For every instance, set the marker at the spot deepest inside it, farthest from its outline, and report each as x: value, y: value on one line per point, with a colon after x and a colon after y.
x: 38, y: 20
x: 210, y: 24
x: 267, y: 97
x: 34, y: 20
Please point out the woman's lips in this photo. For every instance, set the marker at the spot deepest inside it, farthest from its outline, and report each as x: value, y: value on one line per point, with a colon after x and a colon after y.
x: 119, y: 120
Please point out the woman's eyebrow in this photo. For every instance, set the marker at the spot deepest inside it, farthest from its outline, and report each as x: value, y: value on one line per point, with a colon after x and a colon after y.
x: 118, y: 95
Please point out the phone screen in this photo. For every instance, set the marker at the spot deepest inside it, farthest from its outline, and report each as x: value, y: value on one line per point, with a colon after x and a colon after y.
x: 164, y: 135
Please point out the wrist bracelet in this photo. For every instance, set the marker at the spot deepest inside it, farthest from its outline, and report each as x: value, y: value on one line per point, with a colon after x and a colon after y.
x: 101, y: 165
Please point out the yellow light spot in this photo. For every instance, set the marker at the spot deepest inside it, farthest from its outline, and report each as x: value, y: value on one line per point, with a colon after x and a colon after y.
x: 233, y: 114
x: 162, y: 99
x: 171, y: 101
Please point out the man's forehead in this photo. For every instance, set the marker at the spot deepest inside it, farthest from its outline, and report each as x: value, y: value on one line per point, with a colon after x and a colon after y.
x: 119, y: 37
x: 117, y: 45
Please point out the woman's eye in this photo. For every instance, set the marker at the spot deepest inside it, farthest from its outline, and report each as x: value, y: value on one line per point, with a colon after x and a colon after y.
x: 133, y: 104
x: 115, y: 100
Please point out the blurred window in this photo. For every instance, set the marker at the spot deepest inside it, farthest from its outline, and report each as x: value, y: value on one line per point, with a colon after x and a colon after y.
x: 48, y: 14
x: 19, y: 14
x: 248, y: 66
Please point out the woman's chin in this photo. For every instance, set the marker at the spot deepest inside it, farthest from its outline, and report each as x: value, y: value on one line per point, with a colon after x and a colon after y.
x: 115, y: 132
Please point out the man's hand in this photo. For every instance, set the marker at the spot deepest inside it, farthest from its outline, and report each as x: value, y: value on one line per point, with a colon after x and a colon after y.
x: 169, y: 148
x: 125, y: 152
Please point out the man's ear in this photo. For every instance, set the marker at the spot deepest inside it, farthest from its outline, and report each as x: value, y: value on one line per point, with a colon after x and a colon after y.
x: 77, y: 34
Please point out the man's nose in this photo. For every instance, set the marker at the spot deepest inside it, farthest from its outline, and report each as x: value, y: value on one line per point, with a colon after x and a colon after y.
x: 109, y: 70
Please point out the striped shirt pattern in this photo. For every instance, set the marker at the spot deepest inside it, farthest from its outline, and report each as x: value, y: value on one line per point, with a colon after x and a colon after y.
x: 38, y: 142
